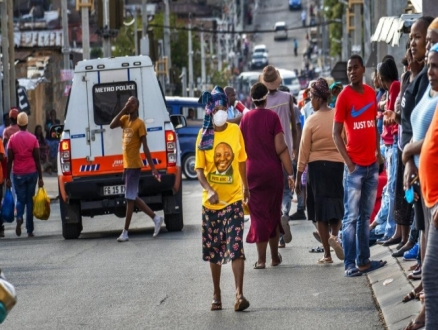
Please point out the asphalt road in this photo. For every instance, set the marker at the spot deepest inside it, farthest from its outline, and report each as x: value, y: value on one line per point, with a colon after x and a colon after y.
x: 281, y: 52
x: 162, y: 283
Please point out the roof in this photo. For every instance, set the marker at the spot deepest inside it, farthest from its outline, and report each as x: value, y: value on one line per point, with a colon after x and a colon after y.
x: 45, y: 38
x: 113, y: 63
x: 390, y: 28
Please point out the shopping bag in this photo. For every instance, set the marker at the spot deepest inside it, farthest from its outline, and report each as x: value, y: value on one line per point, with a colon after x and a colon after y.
x: 41, y: 205
x: 8, y: 206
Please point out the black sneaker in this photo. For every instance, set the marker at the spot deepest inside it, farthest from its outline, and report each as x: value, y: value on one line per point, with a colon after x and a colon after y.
x: 298, y: 215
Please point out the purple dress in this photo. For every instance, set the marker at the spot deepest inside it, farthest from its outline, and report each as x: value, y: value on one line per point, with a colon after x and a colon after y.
x: 264, y: 172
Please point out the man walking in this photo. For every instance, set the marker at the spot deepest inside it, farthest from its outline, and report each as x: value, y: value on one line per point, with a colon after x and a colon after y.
x: 295, y: 47
x: 356, y: 110
x: 233, y: 115
x: 134, y: 135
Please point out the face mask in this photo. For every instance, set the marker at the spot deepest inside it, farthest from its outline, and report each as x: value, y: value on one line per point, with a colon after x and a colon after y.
x: 220, y: 118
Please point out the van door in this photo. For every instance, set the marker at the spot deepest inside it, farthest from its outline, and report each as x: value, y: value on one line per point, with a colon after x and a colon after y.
x: 108, y: 92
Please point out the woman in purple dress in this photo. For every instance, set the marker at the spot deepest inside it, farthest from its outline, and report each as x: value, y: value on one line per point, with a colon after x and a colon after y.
x: 267, y: 152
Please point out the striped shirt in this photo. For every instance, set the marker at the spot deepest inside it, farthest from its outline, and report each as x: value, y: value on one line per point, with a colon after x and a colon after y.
x: 421, y: 118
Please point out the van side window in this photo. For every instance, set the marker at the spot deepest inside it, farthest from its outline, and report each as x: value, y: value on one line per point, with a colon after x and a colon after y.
x: 109, y: 99
x: 194, y: 115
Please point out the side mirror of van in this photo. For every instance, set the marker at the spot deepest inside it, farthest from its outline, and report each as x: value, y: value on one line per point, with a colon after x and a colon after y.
x: 56, y: 131
x: 178, y: 121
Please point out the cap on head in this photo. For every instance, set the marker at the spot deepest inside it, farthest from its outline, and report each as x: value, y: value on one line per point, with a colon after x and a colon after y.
x: 13, y: 113
x: 22, y: 119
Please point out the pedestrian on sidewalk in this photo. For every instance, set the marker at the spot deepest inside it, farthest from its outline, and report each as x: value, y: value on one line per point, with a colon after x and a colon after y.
x: 356, y: 111
x: 303, y: 17
x: 221, y: 169
x: 25, y: 167
x: 2, y: 176
x: 282, y: 104
x: 267, y: 153
x: 295, y: 47
x: 134, y: 136
x: 325, y: 171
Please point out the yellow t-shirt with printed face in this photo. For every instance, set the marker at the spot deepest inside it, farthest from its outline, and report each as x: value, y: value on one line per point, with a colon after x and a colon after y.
x: 133, y: 131
x: 221, y: 166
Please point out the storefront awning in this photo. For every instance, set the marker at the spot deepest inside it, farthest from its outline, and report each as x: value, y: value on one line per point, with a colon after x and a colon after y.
x: 389, y: 29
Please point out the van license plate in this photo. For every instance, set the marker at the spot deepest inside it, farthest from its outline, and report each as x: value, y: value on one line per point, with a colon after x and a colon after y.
x: 114, y: 190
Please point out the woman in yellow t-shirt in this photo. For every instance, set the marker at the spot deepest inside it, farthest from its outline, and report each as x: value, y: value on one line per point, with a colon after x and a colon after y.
x: 221, y: 169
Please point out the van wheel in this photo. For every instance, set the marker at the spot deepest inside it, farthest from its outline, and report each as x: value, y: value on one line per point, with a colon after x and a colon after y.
x: 188, y: 167
x: 71, y: 219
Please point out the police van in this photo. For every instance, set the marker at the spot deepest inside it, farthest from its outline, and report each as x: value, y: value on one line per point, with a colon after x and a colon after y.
x: 90, y: 161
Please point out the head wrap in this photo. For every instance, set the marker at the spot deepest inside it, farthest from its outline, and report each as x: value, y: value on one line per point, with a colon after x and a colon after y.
x: 320, y: 89
x: 336, y: 84
x: 260, y: 99
x: 434, y: 25
x: 217, y: 97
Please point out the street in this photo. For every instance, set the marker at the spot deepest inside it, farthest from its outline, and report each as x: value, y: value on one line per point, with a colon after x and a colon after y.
x: 162, y: 283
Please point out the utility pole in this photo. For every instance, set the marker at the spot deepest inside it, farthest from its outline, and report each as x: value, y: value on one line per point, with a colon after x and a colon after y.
x: 211, y: 51
x: 135, y: 32
x: 219, y: 53
x: 183, y: 77
x: 190, y: 59
x: 5, y: 58
x: 106, y: 24
x: 85, y: 29
x: 203, y: 74
x: 358, y: 29
x: 65, y: 40
x: 167, y: 51
x: 144, y: 46
x: 11, y: 49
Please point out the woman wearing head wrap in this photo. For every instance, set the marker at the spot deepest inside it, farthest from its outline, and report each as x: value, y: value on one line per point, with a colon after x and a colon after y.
x: 268, y: 153
x: 221, y: 169
x: 325, y: 192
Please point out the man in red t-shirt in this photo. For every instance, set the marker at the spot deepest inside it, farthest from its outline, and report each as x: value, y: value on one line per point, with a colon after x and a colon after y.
x: 356, y: 112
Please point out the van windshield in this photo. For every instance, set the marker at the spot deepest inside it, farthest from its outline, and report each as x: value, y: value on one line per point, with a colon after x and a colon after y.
x: 109, y: 99
x: 290, y: 81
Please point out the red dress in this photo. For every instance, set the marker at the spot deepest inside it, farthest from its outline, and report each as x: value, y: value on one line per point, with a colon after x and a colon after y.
x: 264, y: 172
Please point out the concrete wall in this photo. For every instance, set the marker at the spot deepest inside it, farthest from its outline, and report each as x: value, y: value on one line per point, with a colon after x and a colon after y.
x: 430, y: 8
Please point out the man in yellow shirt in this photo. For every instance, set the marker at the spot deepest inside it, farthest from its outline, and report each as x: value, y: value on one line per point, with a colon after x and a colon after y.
x: 134, y: 135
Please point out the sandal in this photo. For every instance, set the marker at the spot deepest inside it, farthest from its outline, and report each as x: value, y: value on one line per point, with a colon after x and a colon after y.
x: 241, y: 304
x: 414, y: 325
x: 258, y: 266
x: 216, y: 305
x: 278, y: 263
x: 352, y: 272
x: 410, y: 296
x: 324, y: 261
x: 334, y: 244
x: 317, y: 249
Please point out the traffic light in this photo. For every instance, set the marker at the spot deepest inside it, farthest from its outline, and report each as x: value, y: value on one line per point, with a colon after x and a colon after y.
x: 116, y: 13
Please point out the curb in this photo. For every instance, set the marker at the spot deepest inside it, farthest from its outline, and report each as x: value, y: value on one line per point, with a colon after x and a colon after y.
x: 389, y: 297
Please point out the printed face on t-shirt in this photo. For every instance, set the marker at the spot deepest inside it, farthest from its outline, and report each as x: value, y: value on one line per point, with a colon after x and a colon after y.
x: 223, y: 157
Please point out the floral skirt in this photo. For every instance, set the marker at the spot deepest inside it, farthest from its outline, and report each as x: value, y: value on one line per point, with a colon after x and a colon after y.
x: 222, y: 233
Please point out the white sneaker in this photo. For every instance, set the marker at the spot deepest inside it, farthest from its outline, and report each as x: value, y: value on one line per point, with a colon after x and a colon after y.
x: 123, y: 236
x: 158, y: 222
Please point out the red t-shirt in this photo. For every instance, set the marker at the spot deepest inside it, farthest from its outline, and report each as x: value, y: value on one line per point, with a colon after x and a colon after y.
x: 428, y: 167
x: 390, y: 130
x: 358, y: 114
x: 22, y: 145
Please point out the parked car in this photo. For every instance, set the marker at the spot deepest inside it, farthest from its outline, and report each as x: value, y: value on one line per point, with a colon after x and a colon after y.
x: 259, y: 61
x: 290, y: 80
x: 260, y: 49
x: 294, y: 4
x: 280, y: 31
x: 194, y: 114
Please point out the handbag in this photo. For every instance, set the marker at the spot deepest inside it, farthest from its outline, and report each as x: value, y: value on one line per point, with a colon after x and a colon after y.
x: 8, y: 206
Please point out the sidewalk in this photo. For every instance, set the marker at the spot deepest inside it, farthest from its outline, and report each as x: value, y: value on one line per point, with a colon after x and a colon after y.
x: 389, y: 297
x: 51, y: 185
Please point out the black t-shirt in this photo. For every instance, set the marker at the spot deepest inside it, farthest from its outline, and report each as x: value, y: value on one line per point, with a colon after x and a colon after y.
x: 413, y: 94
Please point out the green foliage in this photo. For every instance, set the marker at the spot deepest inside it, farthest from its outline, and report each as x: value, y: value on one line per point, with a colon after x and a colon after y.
x: 96, y: 52
x: 335, y: 10
x: 220, y: 78
x: 124, y: 44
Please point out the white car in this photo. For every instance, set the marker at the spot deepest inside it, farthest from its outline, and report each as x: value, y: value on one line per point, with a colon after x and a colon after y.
x: 280, y: 31
x: 260, y: 49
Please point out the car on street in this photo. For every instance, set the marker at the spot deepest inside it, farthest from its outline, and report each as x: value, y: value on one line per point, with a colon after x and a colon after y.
x: 259, y: 61
x: 290, y: 80
x: 280, y: 29
x: 260, y: 49
x: 294, y: 4
x: 194, y: 114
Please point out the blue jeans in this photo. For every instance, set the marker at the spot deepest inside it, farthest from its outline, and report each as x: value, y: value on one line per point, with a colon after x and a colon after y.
x: 287, y: 196
x: 360, y: 190
x: 25, y: 188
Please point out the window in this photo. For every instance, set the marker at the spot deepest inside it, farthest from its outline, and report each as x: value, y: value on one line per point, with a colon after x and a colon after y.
x: 109, y: 99
x: 198, y: 115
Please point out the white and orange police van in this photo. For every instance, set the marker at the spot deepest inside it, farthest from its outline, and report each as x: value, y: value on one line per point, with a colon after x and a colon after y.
x: 90, y: 162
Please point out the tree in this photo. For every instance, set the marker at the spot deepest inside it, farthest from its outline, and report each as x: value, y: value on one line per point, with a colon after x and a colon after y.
x: 333, y: 9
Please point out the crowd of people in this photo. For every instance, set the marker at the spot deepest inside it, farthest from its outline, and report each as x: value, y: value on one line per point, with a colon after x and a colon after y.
x: 23, y: 158
x: 361, y: 159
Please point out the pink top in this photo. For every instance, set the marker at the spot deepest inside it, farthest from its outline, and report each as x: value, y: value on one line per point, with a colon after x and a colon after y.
x: 22, y: 145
